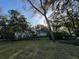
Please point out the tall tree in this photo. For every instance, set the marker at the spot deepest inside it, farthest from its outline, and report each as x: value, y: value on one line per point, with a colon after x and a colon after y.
x: 43, y: 11
x: 18, y: 22
x: 67, y: 11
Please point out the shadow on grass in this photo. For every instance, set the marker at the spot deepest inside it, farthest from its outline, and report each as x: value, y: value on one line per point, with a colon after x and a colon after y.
x: 72, y: 42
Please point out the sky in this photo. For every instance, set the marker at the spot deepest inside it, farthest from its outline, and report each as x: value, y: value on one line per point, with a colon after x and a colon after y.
x: 6, y: 5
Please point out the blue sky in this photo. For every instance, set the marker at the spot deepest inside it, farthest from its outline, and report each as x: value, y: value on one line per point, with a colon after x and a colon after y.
x: 17, y: 5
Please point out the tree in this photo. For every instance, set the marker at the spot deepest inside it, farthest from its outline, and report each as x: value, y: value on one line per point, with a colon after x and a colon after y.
x: 43, y: 11
x: 14, y: 23
x: 18, y: 22
x: 23, y: 23
x: 3, y: 25
x: 67, y: 11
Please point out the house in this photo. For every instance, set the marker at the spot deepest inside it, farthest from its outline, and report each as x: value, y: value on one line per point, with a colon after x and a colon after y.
x: 41, y: 30
x: 22, y: 35
x: 41, y: 33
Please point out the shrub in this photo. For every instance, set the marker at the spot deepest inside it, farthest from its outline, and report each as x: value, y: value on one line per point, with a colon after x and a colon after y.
x: 61, y: 35
x: 76, y: 33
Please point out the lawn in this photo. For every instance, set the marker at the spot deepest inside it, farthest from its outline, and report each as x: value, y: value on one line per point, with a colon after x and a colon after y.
x: 38, y: 49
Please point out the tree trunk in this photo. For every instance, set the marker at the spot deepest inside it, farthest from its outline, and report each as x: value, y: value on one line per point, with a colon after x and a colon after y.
x: 51, y: 35
x: 69, y: 31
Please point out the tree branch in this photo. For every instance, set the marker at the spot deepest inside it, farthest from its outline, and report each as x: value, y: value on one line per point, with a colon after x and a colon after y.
x: 42, y: 7
x: 35, y: 7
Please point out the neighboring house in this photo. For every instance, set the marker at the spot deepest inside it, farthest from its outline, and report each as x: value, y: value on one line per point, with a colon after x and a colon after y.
x: 41, y: 30
x: 41, y: 33
x: 22, y: 35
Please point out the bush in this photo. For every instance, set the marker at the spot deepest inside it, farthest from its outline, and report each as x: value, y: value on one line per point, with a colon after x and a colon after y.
x: 7, y: 36
x: 61, y: 35
x: 76, y: 33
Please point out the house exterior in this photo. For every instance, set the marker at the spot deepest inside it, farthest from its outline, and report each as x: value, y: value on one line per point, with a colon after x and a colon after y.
x: 22, y: 35
x: 41, y: 33
x: 41, y: 30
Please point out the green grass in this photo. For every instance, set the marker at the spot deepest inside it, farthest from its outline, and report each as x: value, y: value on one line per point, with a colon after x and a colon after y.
x: 37, y: 49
